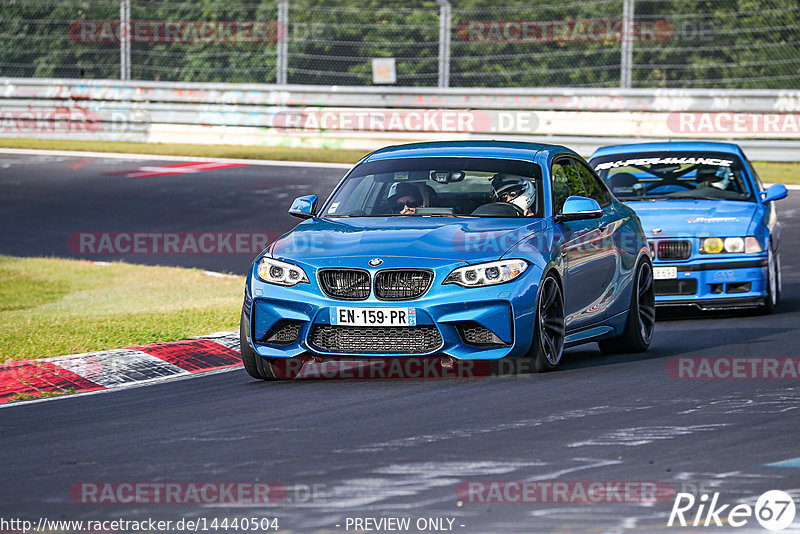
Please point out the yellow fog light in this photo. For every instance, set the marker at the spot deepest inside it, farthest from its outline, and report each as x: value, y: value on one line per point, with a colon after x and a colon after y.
x: 712, y: 245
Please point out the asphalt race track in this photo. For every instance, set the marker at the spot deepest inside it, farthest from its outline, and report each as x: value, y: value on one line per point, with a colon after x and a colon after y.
x: 46, y: 199
x: 387, y: 448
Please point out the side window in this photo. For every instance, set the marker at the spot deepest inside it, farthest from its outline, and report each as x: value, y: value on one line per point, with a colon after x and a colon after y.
x: 756, y: 177
x: 594, y: 189
x: 566, y: 183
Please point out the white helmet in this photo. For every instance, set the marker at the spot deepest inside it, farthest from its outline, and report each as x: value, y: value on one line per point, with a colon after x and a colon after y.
x: 725, y: 174
x: 520, y: 191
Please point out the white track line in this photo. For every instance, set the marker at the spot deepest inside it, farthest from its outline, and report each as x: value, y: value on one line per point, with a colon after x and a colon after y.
x: 155, y: 157
x: 116, y: 155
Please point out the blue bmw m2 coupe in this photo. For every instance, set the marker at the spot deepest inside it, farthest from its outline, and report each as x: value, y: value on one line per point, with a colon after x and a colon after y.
x: 473, y: 250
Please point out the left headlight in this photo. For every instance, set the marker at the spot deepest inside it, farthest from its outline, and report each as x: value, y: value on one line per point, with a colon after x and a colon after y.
x: 281, y: 273
x: 730, y: 245
x: 487, y: 274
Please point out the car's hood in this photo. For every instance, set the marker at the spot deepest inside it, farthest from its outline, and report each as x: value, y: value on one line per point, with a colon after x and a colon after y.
x: 460, y: 239
x: 687, y: 218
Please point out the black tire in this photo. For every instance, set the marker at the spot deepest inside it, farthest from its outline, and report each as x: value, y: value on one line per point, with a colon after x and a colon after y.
x: 773, y: 282
x: 548, y: 331
x: 640, y: 325
x: 250, y: 359
x: 265, y: 368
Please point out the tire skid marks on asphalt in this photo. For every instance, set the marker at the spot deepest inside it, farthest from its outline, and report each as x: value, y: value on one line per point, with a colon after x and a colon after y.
x: 620, y: 517
x: 459, y: 434
x: 424, y: 485
x: 645, y: 435
x: 604, y: 519
x: 768, y: 402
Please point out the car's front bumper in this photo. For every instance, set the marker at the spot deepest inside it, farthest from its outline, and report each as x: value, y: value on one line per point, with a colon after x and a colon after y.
x: 714, y: 283
x: 506, y: 310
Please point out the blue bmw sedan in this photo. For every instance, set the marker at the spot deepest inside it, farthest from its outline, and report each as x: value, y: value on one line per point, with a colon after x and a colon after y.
x: 473, y: 250
x: 712, y: 225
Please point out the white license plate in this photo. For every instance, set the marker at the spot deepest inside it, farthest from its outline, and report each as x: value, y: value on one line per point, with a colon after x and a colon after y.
x: 374, y: 316
x: 665, y: 273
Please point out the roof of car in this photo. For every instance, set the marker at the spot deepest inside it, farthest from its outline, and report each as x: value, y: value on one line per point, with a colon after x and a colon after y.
x: 668, y: 146
x: 520, y: 151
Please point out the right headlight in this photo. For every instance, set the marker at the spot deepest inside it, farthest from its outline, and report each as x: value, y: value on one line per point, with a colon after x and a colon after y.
x: 487, y: 274
x: 730, y: 245
x: 280, y: 273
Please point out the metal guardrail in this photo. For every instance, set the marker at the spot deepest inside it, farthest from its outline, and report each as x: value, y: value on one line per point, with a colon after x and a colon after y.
x: 566, y: 99
x: 365, y: 118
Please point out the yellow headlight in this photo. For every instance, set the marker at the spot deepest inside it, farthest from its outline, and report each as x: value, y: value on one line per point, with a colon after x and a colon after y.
x: 712, y: 245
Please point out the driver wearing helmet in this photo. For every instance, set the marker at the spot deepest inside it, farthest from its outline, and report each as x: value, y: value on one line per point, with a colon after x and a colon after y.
x: 519, y: 192
x: 719, y: 178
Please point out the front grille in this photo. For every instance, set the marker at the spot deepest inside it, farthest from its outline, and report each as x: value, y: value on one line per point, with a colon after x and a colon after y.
x: 474, y: 334
x: 375, y: 339
x: 676, y: 287
x: 402, y: 284
x: 283, y: 332
x: 345, y: 284
x: 674, y: 250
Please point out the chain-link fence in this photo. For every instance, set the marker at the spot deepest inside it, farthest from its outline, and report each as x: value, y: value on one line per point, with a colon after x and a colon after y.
x: 460, y: 43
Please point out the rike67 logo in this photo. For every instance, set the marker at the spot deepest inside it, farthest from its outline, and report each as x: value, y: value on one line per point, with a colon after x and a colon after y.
x: 774, y: 510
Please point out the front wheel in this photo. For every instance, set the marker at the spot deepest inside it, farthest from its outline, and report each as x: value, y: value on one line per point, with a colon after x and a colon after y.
x: 548, y: 332
x: 265, y: 368
x: 641, y: 322
x: 773, y: 281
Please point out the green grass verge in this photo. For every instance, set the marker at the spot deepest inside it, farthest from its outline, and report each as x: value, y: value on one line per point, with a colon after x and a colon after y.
x: 52, y: 307
x: 776, y: 172
x: 326, y: 155
x: 41, y: 394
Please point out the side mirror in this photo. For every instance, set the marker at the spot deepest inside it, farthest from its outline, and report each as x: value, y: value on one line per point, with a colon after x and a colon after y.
x: 304, y: 207
x: 774, y: 192
x: 579, y: 208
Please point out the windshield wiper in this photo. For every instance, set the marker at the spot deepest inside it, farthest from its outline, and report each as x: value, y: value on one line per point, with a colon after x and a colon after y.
x: 690, y: 197
x: 360, y: 216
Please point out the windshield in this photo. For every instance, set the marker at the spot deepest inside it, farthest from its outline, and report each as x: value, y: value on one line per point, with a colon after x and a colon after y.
x: 659, y: 175
x: 439, y: 187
